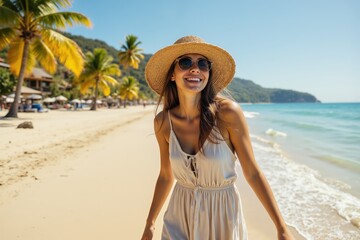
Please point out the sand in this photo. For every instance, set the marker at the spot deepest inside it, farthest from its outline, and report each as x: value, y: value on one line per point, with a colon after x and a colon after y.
x: 88, y: 175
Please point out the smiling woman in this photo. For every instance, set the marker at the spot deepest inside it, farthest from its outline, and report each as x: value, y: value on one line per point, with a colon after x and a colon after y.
x: 199, y: 132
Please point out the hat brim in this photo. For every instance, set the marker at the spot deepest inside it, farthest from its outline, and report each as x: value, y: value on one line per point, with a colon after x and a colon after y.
x: 223, y: 65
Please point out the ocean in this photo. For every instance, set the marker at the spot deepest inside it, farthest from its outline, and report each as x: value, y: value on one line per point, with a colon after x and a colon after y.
x: 310, y: 154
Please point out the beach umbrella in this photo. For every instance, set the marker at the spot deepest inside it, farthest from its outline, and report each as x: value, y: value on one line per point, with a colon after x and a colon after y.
x: 89, y: 101
x: 82, y: 101
x: 9, y: 100
x: 61, y: 98
x: 98, y: 101
x: 75, y: 101
x: 13, y: 95
x: 34, y: 97
x: 49, y: 100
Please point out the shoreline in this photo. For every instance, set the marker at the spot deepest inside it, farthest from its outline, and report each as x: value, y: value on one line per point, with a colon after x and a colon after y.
x: 316, y: 188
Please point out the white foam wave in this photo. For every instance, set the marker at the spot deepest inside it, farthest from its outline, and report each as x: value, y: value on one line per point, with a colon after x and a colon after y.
x: 250, y: 114
x: 308, y: 202
x: 275, y: 133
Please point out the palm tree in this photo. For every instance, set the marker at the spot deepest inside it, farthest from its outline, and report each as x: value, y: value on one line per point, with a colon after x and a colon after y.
x: 129, y: 89
x: 97, y: 70
x: 30, y: 29
x: 129, y: 54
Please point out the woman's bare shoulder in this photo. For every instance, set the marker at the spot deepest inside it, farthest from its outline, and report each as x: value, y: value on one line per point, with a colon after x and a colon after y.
x: 230, y: 111
x: 161, y: 124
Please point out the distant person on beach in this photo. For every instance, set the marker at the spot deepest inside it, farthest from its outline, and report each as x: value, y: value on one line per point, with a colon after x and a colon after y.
x: 199, y: 132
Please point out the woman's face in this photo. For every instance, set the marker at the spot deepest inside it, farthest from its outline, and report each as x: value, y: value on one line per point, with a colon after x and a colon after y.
x: 193, y: 79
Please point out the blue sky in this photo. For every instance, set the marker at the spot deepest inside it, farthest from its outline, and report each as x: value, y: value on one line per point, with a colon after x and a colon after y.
x: 304, y: 45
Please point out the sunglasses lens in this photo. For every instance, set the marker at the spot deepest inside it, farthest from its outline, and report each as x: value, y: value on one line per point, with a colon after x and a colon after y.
x: 185, y: 63
x: 204, y: 65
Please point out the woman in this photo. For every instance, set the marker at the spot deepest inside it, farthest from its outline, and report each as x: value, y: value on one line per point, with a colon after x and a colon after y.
x: 198, y: 132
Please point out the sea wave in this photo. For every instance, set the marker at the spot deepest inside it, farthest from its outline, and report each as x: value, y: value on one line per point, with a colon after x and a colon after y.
x: 275, y: 133
x: 250, y: 114
x: 317, y: 207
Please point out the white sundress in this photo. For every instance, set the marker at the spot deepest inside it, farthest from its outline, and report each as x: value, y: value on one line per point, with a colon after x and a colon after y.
x: 205, y: 203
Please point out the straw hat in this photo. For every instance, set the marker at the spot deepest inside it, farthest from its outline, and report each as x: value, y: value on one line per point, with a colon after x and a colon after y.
x: 223, y: 65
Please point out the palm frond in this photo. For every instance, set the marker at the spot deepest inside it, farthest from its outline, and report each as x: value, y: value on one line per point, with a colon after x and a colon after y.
x: 65, y: 49
x: 44, y: 55
x: 9, y: 4
x: 61, y: 20
x: 15, y: 55
x: 51, y: 4
x: 87, y: 76
x: 8, y: 17
x: 110, y: 80
x: 112, y: 69
x: 84, y: 87
x: 7, y: 35
x: 103, y: 85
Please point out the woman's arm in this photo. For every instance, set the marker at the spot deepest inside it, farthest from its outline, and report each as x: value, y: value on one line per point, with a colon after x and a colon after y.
x: 234, y: 119
x: 164, y: 181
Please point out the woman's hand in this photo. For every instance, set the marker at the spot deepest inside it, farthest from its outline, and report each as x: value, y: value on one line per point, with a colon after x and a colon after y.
x: 148, y: 232
x: 285, y: 235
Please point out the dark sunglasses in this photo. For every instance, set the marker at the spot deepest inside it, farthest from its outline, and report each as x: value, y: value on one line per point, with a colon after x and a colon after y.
x: 185, y: 63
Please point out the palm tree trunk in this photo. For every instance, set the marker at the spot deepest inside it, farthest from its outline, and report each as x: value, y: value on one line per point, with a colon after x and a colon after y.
x: 96, y: 95
x: 125, y: 102
x: 14, y: 106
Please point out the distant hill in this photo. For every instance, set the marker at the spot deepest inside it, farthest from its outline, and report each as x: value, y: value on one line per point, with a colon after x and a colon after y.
x: 242, y: 90
x: 247, y: 91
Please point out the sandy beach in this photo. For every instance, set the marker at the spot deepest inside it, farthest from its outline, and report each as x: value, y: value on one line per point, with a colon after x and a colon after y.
x: 88, y: 175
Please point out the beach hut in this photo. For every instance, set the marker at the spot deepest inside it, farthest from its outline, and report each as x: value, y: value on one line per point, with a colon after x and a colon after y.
x: 39, y: 79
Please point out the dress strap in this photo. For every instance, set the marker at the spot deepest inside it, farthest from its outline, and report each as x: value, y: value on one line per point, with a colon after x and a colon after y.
x: 169, y: 115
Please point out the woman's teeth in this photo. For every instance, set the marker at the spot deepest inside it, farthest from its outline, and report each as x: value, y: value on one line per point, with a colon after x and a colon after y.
x: 193, y: 79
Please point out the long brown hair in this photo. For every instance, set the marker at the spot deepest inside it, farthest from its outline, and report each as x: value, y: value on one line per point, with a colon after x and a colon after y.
x: 208, y: 106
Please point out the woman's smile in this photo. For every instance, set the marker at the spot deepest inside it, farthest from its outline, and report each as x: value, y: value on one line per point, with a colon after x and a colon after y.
x: 193, y: 79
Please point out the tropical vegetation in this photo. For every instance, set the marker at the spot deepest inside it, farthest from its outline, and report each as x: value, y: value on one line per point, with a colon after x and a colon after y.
x: 7, y: 82
x: 97, y: 74
x: 129, y: 89
x: 31, y: 31
x: 130, y: 55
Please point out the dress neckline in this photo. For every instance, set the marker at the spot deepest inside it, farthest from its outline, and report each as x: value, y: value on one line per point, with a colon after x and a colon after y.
x: 172, y: 132
x: 180, y: 147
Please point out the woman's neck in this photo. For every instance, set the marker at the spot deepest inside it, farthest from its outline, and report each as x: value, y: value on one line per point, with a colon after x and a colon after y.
x: 189, y: 106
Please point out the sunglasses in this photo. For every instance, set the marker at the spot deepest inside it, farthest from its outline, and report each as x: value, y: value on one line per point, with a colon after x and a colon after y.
x: 185, y: 63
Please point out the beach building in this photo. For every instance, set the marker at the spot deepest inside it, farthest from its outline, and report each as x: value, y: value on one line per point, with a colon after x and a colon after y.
x: 39, y: 80
x: 26, y: 92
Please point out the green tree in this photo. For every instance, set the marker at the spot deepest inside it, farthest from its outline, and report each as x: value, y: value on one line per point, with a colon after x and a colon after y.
x: 97, y: 73
x: 7, y: 82
x: 30, y: 28
x: 130, y: 54
x: 129, y: 89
